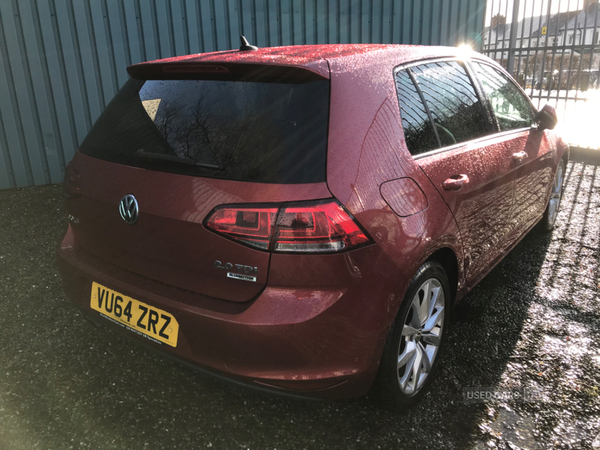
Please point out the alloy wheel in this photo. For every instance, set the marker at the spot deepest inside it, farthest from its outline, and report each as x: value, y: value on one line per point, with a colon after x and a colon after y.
x: 421, y: 336
x: 556, y: 194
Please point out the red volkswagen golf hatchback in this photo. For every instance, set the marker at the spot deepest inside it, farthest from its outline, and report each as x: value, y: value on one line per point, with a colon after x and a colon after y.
x: 302, y: 218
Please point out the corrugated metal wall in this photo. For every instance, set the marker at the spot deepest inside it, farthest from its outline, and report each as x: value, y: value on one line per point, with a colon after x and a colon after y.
x: 61, y: 61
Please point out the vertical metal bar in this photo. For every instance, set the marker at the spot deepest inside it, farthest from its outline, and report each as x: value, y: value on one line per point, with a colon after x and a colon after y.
x: 571, y: 58
x: 548, y: 83
x: 537, y: 44
x: 593, y: 47
x: 563, y: 49
x: 512, y: 43
x: 504, y: 36
x: 582, y: 54
x: 498, y: 39
x: 520, y: 48
x: 489, y: 40
x: 553, y: 54
x: 534, y: 74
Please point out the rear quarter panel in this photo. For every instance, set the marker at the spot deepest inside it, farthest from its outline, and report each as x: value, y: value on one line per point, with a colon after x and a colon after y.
x: 366, y: 148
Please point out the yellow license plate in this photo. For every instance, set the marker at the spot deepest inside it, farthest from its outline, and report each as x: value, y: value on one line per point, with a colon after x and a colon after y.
x: 148, y: 321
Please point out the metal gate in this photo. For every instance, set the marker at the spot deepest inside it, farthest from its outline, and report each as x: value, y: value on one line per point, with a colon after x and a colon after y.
x: 552, y: 48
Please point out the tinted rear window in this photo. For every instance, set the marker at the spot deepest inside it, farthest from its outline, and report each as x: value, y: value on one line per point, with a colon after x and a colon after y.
x: 236, y: 130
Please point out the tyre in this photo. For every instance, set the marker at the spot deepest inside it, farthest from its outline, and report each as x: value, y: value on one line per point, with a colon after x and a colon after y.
x: 415, y: 340
x: 549, y: 218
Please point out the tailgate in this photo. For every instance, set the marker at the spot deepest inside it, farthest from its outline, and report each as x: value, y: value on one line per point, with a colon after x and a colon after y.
x: 168, y: 242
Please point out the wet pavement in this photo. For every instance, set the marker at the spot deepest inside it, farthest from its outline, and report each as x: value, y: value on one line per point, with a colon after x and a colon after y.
x: 529, y: 329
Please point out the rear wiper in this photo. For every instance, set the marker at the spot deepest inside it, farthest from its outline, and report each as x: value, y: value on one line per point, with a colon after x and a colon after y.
x: 141, y: 153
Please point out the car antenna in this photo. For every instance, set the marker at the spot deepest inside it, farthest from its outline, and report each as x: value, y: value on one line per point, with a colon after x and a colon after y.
x: 245, y: 45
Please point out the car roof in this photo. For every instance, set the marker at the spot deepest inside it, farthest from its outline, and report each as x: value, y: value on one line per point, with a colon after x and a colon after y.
x: 311, y: 57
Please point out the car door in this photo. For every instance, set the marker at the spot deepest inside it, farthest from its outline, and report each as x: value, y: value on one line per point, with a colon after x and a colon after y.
x: 452, y: 138
x: 531, y: 150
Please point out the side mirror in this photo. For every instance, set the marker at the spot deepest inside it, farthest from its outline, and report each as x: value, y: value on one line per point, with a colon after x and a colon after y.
x: 546, y: 118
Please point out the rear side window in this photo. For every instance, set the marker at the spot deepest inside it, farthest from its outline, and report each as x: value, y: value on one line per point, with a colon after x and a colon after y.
x: 236, y: 130
x: 444, y: 93
x: 512, y: 109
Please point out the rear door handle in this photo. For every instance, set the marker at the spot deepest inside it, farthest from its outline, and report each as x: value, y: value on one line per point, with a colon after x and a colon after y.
x: 519, y: 157
x: 455, y: 182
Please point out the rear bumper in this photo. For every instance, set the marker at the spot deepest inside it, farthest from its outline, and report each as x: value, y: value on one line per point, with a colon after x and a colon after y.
x: 317, y: 329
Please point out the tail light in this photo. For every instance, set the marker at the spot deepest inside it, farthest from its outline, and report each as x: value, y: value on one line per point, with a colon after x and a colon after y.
x: 251, y: 226
x: 71, y: 182
x: 303, y: 227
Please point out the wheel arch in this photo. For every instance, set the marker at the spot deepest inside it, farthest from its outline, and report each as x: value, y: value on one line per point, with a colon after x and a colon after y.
x: 447, y: 258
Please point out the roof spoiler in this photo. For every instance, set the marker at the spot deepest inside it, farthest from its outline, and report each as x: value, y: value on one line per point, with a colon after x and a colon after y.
x: 223, y: 71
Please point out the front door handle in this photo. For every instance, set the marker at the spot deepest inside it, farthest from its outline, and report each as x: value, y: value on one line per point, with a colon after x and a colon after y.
x: 519, y: 157
x: 455, y: 182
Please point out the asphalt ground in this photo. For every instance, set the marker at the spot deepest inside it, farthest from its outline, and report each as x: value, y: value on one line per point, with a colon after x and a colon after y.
x: 530, y: 328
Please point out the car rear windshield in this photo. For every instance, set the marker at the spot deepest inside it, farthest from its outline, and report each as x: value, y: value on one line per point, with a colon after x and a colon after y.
x: 235, y: 130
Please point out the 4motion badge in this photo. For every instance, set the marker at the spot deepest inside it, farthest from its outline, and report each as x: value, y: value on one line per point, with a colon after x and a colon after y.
x: 242, y: 272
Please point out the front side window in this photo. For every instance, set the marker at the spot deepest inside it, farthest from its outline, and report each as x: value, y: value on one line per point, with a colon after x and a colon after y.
x: 439, y: 106
x: 512, y: 109
x: 455, y: 109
